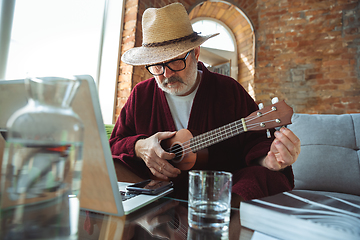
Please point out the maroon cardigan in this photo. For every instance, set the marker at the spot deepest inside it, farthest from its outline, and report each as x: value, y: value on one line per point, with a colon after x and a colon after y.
x: 220, y: 100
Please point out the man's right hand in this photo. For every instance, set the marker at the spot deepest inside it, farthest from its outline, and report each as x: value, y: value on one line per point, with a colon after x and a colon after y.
x: 155, y: 158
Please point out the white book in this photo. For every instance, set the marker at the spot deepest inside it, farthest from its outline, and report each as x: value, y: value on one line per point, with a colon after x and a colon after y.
x: 304, y: 215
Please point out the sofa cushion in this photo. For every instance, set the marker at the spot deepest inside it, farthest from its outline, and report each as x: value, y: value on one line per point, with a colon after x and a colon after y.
x: 330, y: 157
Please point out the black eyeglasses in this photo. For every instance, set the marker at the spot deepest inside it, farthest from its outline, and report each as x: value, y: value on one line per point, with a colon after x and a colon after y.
x: 174, y: 65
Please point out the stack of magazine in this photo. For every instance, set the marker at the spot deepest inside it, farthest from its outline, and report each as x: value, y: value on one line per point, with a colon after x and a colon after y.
x: 304, y: 215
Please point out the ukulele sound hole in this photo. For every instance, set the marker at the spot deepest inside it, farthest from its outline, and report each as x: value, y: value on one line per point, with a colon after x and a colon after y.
x: 178, y: 150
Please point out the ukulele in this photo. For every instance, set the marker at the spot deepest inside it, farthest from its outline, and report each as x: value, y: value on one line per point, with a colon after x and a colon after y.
x: 190, y: 150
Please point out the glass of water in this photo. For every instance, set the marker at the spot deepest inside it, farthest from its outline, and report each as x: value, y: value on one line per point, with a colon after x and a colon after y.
x: 209, y: 199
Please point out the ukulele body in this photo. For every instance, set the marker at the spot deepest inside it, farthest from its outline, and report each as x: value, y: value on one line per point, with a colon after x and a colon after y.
x: 181, y: 145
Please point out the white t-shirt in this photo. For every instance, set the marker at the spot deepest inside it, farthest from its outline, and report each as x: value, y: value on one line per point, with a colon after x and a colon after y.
x: 180, y: 107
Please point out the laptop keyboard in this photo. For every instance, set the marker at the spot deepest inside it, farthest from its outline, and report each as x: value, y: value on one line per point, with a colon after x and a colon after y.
x: 126, y: 195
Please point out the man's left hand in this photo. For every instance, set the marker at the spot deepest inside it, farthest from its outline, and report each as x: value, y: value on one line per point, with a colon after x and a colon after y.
x: 284, y: 150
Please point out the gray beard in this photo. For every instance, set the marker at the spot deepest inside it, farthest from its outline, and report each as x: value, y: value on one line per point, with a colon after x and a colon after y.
x: 192, y: 72
x: 172, y: 80
x: 163, y: 85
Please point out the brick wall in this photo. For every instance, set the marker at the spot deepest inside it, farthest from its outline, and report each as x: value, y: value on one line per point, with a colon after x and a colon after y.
x: 307, y: 52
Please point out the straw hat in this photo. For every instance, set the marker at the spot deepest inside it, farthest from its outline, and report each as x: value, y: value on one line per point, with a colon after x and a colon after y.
x: 167, y: 34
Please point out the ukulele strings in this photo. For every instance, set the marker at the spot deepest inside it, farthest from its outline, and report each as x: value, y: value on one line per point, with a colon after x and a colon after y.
x: 180, y: 150
x: 224, y: 129
x: 233, y: 127
x: 181, y: 229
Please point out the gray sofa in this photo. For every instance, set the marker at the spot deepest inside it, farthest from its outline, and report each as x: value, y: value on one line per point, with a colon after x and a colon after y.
x: 330, y: 152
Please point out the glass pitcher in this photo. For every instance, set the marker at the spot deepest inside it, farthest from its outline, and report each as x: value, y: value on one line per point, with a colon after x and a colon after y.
x: 42, y: 163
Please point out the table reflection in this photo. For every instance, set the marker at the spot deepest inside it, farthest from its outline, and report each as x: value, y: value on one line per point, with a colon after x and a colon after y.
x: 163, y: 219
x: 195, y: 234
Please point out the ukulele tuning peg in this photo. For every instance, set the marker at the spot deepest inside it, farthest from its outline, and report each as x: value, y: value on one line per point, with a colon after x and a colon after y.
x: 261, y: 105
x: 268, y: 134
x: 274, y: 100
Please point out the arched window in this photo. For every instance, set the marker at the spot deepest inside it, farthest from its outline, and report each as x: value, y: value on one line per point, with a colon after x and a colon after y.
x: 217, y: 53
x: 223, y: 41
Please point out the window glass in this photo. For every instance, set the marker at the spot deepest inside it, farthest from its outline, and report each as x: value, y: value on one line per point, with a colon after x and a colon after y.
x: 55, y: 37
x: 223, y: 41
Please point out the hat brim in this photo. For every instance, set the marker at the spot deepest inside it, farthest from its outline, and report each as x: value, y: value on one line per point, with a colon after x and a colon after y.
x: 138, y: 56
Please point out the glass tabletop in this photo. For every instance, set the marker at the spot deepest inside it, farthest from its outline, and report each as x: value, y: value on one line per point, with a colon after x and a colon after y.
x: 166, y: 218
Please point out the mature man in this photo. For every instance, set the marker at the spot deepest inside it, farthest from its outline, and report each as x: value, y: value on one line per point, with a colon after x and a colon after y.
x: 184, y: 94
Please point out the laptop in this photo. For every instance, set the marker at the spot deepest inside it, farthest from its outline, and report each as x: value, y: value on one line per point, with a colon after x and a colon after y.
x: 100, y: 190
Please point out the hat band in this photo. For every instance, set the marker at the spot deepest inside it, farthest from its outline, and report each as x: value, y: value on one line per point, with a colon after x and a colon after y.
x: 194, y: 35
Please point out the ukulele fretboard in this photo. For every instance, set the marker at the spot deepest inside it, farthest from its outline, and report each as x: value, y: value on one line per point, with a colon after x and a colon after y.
x: 215, y: 136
